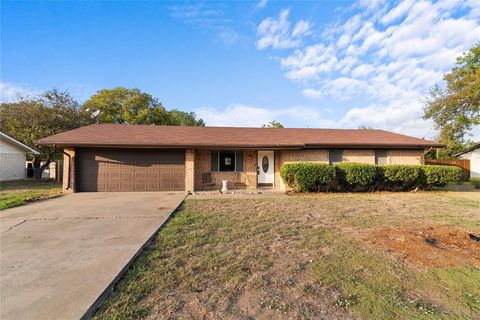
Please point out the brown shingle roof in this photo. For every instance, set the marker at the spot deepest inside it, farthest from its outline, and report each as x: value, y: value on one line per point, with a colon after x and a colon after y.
x: 122, y: 135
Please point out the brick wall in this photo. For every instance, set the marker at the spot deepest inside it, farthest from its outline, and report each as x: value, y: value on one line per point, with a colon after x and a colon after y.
x: 359, y: 155
x: 395, y: 156
x: 286, y: 156
x: 69, y: 162
x: 406, y: 156
x: 189, y: 170
x: 249, y: 174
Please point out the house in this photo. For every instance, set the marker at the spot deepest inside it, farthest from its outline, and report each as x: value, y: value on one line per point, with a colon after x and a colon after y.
x: 13, y: 158
x: 114, y: 157
x: 472, y: 154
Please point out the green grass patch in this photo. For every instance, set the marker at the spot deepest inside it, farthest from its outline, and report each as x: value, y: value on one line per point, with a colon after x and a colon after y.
x: 17, y: 193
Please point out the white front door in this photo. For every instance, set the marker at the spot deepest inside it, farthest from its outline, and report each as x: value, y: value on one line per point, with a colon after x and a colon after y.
x: 266, y: 167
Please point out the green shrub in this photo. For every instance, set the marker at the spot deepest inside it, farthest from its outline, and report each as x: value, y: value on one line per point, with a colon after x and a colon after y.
x: 402, y: 173
x: 356, y: 174
x: 306, y: 176
x: 403, y: 177
x: 440, y: 176
x: 475, y: 182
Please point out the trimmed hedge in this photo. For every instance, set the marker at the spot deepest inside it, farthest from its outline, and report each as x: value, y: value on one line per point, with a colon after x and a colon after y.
x: 307, y: 176
x: 351, y: 174
x: 440, y: 176
x: 402, y: 177
x: 313, y: 177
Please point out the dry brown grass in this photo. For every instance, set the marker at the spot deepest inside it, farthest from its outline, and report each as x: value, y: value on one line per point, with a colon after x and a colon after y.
x: 302, y: 257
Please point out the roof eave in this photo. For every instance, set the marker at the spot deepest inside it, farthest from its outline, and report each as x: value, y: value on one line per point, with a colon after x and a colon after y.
x: 237, y: 146
x: 20, y: 144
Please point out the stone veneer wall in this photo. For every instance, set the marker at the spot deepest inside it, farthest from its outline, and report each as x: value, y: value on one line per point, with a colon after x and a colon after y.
x: 249, y: 174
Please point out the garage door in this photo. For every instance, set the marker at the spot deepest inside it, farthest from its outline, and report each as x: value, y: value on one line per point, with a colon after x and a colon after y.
x: 130, y: 170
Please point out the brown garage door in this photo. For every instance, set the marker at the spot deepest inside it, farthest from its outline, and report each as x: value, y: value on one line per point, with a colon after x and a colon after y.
x: 130, y: 170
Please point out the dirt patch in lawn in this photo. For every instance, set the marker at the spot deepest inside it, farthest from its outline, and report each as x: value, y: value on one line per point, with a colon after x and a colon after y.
x: 430, y: 246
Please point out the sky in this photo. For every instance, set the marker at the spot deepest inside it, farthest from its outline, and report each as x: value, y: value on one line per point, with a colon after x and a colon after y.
x: 316, y: 64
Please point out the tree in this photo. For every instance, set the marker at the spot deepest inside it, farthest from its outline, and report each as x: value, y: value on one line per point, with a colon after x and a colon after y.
x: 122, y: 105
x: 179, y: 118
x: 272, y: 124
x: 456, y: 108
x: 30, y: 119
x: 364, y: 127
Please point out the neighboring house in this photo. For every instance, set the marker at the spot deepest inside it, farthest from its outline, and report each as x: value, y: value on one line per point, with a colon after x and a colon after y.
x: 13, y: 158
x: 472, y: 154
x: 113, y: 157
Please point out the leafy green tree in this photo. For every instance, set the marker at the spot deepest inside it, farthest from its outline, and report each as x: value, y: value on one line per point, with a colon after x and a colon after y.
x: 272, y: 124
x: 30, y: 119
x: 122, y: 105
x: 179, y: 118
x: 456, y: 108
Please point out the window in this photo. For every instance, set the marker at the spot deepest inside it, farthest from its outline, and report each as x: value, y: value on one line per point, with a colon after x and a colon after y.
x: 381, y: 157
x: 226, y: 161
x: 335, y: 156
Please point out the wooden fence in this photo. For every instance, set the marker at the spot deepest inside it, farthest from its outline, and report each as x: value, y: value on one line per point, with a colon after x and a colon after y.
x: 464, y: 164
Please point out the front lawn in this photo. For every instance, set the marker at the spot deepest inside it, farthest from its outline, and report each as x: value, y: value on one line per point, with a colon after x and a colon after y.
x: 17, y: 193
x: 332, y: 256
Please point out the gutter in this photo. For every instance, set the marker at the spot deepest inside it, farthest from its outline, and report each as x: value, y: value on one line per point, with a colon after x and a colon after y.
x: 244, y: 146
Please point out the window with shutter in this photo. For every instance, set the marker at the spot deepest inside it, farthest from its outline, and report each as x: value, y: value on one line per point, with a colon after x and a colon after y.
x: 214, y: 161
x: 239, y: 161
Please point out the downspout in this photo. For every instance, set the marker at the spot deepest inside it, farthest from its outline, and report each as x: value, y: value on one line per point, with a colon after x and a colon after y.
x: 69, y: 167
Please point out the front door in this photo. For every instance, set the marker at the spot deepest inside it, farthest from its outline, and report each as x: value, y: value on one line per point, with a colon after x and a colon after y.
x: 266, y: 165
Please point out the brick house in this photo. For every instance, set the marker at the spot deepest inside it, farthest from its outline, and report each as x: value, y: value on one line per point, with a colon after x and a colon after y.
x: 113, y: 157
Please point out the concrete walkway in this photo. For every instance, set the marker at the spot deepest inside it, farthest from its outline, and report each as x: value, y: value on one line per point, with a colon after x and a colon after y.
x: 59, y: 256
x: 239, y: 194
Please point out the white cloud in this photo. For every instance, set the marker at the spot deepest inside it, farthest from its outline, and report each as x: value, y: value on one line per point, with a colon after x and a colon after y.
x: 208, y: 18
x: 10, y: 92
x: 397, y: 12
x: 301, y: 28
x: 278, y: 33
x: 388, y: 55
x: 241, y: 115
x: 227, y: 36
x: 236, y: 115
x: 261, y: 4
x: 312, y: 93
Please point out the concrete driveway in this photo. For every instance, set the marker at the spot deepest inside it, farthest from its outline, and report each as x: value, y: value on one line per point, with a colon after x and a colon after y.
x: 60, y: 255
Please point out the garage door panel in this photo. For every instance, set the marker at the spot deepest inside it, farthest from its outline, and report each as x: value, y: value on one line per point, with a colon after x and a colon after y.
x: 178, y: 184
x: 130, y: 170
x: 153, y: 175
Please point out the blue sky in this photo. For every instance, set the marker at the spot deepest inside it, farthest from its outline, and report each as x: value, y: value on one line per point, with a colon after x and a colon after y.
x: 306, y: 64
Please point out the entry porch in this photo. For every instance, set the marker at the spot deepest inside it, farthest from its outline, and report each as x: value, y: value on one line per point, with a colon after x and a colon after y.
x: 242, y: 169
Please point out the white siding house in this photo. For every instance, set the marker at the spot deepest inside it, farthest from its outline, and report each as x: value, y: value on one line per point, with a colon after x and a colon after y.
x: 13, y: 158
x: 473, y: 154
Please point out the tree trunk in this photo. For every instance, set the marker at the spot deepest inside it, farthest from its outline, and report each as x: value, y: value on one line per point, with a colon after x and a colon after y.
x: 38, y: 168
